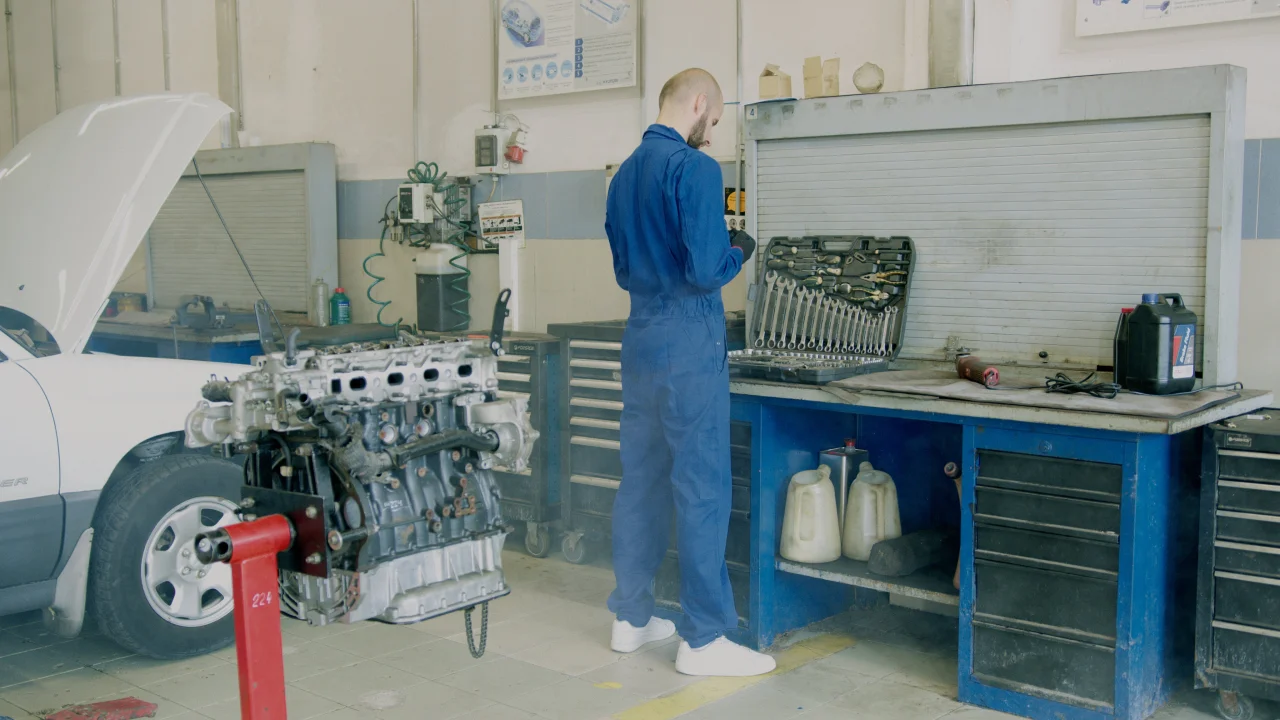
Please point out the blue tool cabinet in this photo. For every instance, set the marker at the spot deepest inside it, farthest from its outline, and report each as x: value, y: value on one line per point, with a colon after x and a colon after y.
x: 1077, y: 567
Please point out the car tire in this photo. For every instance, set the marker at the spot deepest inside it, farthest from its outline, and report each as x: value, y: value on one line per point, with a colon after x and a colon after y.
x: 143, y: 586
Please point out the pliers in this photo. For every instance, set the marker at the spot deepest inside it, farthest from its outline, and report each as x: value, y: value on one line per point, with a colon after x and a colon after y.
x: 888, y: 277
x: 855, y: 295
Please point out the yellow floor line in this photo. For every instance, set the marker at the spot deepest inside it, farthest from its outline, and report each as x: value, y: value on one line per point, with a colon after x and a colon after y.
x: 705, y: 692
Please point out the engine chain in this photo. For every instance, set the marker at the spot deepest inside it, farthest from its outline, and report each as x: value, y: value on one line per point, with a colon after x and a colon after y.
x: 484, y: 629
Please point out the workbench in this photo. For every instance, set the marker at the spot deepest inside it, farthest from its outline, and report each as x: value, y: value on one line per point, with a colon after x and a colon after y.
x: 1077, y: 537
x: 153, y: 334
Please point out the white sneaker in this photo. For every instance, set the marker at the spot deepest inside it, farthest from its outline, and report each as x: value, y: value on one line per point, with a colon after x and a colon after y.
x: 722, y: 658
x: 629, y: 638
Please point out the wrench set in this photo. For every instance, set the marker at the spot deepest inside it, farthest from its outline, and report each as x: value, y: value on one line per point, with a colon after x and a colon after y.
x: 827, y: 307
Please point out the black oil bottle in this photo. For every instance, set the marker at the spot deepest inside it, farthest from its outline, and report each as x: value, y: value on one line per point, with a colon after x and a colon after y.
x: 1161, y: 346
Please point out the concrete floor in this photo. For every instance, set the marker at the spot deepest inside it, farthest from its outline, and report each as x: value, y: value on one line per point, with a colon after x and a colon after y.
x: 548, y: 657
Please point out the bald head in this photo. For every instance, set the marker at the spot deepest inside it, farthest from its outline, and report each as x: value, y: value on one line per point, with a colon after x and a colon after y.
x: 691, y: 102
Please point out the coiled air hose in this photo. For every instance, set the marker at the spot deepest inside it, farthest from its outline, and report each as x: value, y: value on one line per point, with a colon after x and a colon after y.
x: 454, y: 234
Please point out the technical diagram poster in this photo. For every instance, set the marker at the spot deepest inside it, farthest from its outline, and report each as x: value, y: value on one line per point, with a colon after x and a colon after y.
x: 1102, y: 17
x: 549, y: 47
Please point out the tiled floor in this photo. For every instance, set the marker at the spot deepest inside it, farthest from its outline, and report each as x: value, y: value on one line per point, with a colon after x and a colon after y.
x: 547, y: 658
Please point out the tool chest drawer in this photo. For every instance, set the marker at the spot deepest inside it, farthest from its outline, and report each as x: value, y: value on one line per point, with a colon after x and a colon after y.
x: 1047, y: 513
x: 1043, y: 601
x: 1099, y: 560
x: 1246, y: 651
x: 1250, y: 528
x: 1248, y: 559
x: 1246, y: 600
x: 1077, y: 673
x: 1252, y: 466
x: 1249, y: 497
x: 1050, y: 476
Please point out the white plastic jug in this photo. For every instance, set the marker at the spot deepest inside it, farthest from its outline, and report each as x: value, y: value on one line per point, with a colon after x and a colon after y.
x: 871, y: 512
x: 811, y: 522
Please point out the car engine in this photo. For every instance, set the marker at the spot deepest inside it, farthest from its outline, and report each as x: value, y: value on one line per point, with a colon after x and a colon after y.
x: 395, y: 440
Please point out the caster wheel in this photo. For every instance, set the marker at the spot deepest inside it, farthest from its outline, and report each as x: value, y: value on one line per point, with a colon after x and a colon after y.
x: 537, y: 541
x: 1243, y: 707
x: 574, y: 548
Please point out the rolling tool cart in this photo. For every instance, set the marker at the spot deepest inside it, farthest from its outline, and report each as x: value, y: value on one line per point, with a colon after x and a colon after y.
x: 591, y: 410
x: 827, y: 308
x: 1238, y: 598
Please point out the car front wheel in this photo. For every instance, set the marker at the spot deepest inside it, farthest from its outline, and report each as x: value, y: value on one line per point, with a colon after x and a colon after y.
x: 147, y: 589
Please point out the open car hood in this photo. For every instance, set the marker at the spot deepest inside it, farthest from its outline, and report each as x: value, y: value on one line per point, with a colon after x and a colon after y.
x: 78, y: 194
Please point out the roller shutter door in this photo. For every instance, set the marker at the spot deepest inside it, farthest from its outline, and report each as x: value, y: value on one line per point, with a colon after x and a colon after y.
x: 1027, y: 236
x: 267, y: 214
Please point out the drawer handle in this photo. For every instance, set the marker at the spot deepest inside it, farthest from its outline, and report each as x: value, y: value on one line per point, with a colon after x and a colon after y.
x: 1223, y: 625
x: 596, y: 442
x: 513, y: 377
x: 514, y: 358
x: 596, y: 364
x: 597, y: 404
x: 1249, y: 486
x: 1225, y: 575
x: 596, y: 384
x: 1246, y: 454
x: 1227, y: 544
x: 594, y: 345
x: 594, y: 423
x: 1249, y: 516
x: 595, y: 482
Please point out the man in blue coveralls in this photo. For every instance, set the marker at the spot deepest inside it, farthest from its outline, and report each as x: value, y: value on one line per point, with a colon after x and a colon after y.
x: 672, y: 253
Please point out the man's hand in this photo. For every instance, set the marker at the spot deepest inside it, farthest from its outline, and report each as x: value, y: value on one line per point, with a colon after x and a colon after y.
x: 744, y: 242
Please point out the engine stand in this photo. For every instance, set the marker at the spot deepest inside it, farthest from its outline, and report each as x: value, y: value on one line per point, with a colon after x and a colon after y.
x: 250, y: 548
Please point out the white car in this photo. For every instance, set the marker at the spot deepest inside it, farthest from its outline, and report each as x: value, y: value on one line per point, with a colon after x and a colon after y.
x: 100, y: 502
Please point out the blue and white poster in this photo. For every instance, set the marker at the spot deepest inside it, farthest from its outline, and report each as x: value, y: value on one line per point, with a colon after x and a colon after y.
x: 549, y: 47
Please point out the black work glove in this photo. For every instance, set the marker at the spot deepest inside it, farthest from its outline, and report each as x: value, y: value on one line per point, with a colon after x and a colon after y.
x: 744, y: 242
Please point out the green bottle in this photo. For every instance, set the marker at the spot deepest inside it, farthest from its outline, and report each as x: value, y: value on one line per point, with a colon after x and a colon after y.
x: 339, y: 308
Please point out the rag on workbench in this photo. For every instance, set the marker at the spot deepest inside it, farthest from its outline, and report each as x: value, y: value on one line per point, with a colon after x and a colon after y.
x: 671, y: 252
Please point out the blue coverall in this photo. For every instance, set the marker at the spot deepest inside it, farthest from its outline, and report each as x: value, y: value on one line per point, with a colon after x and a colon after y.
x: 671, y: 252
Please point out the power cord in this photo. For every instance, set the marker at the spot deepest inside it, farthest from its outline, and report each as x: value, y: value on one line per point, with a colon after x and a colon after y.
x: 1062, y: 383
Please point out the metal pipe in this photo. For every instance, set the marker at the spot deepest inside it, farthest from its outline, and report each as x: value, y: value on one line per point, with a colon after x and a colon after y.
x: 164, y: 40
x: 115, y: 40
x: 57, y: 67
x: 740, y: 144
x: 493, y: 74
x: 13, y: 68
x: 417, y: 90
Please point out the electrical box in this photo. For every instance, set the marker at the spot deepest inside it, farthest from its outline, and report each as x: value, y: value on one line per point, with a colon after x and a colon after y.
x: 415, y: 203
x: 490, y: 151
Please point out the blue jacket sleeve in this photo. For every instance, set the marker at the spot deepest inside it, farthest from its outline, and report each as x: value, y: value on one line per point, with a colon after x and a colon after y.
x: 621, y: 271
x: 710, y: 262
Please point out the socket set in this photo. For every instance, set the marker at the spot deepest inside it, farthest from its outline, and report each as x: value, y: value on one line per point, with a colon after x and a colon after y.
x: 826, y: 308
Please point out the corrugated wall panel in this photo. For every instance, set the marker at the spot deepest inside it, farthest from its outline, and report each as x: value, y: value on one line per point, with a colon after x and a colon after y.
x: 1029, y: 238
x: 267, y: 214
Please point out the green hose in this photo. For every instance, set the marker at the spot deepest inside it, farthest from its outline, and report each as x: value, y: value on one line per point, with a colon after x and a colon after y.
x: 415, y: 236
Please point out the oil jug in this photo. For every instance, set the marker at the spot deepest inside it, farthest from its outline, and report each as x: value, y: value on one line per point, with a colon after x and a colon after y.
x: 872, y: 512
x: 1158, y: 344
x: 810, y: 522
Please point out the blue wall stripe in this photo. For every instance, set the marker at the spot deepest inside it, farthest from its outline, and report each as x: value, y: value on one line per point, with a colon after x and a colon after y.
x: 560, y: 205
x: 1269, y: 190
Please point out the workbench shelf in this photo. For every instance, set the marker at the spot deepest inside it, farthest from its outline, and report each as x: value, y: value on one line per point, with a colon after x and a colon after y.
x: 932, y: 583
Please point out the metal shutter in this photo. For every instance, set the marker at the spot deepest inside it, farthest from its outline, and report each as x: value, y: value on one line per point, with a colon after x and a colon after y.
x: 1026, y: 235
x: 267, y: 214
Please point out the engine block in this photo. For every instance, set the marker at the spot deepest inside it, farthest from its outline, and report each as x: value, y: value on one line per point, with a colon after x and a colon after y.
x: 381, y: 455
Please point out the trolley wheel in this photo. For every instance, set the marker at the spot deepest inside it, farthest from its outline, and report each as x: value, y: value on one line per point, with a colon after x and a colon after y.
x: 537, y: 540
x: 574, y: 547
x: 1234, y: 706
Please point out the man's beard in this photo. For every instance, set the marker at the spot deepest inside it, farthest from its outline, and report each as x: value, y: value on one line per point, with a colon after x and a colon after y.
x: 698, y: 135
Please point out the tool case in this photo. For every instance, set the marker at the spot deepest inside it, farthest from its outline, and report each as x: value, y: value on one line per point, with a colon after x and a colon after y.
x: 826, y: 307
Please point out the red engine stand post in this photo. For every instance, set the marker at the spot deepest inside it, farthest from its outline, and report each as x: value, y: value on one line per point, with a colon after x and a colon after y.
x: 250, y: 548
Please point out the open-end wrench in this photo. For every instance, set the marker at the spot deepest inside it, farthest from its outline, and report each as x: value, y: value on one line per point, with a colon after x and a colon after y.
x: 887, y: 345
x: 771, y: 281
x: 884, y: 331
x: 819, y: 316
x: 853, y: 326
x: 788, y: 329
x: 809, y: 297
x: 836, y: 307
x: 846, y: 317
x: 777, y: 311
x: 802, y: 301
x: 856, y: 341
x: 864, y: 331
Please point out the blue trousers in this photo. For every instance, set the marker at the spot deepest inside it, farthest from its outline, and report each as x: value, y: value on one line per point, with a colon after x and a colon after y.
x: 675, y: 455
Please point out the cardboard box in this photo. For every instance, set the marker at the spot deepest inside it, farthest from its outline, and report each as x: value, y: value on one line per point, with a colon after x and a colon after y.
x: 821, y: 77
x: 774, y: 83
